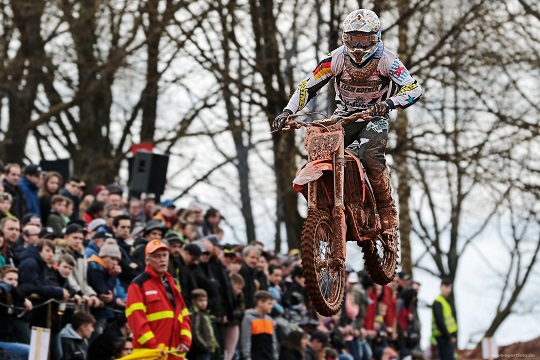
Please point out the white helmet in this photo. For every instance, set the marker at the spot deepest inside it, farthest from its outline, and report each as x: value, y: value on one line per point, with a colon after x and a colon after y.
x: 361, y: 34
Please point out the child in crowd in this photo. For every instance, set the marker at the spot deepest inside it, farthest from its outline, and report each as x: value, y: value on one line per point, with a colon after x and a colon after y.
x: 11, y: 295
x: 258, y: 336
x: 75, y: 336
x: 204, y: 340
x: 56, y: 219
x: 5, y: 204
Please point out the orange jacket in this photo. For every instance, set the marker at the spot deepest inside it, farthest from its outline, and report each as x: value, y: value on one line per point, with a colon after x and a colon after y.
x: 151, y: 316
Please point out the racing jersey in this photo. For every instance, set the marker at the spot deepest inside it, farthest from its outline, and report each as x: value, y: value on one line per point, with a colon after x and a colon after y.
x: 359, y: 88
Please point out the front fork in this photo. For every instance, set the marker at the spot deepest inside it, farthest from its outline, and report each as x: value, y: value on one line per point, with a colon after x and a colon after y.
x: 338, y: 212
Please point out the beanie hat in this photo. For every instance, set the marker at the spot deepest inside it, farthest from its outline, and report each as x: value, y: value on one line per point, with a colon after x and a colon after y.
x: 110, y: 249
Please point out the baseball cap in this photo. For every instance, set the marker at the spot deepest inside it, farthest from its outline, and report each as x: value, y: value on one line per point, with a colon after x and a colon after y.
x: 213, y: 239
x: 32, y: 170
x: 154, y: 246
x: 319, y: 335
x: 352, y: 278
x: 168, y: 203
x: 47, y: 233
x: 31, y: 218
x: 404, y: 276
x: 172, y: 238
x: 95, y: 224
x: 73, y: 228
x: 102, y: 235
x: 194, y: 250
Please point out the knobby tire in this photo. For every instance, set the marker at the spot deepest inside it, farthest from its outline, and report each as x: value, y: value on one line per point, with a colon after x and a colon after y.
x: 325, y: 284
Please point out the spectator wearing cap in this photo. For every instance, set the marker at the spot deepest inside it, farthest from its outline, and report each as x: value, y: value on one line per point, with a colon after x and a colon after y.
x: 404, y: 283
x: 29, y: 184
x: 175, y: 258
x: 95, y: 226
x: 101, y: 193
x: 318, y: 340
x: 130, y: 268
x: 47, y: 233
x: 210, y: 226
x: 96, y: 242
x: 188, y: 261
x: 167, y: 213
x: 153, y: 230
x: 155, y: 309
x: 10, y: 182
x: 56, y: 219
x: 102, y: 272
x: 73, y: 239
x: 50, y: 186
x: 72, y: 190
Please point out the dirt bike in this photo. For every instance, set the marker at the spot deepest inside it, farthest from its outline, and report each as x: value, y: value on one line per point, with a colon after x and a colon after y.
x: 341, y: 208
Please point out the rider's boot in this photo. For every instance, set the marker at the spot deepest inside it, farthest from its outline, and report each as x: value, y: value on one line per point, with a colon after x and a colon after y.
x: 385, y: 204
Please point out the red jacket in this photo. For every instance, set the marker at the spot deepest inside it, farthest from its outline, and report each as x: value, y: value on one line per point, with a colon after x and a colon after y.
x: 390, y: 299
x: 151, y: 316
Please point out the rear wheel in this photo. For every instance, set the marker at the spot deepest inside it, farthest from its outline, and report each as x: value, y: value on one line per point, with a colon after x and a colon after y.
x: 324, y: 270
x: 380, y: 257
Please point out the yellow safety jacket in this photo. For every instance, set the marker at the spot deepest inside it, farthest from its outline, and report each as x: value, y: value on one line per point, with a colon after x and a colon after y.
x: 449, y: 319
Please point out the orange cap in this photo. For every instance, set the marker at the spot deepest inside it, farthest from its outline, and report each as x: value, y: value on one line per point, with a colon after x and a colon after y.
x: 155, y: 245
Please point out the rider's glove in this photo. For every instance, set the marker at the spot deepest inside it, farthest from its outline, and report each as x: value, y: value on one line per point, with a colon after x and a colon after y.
x: 383, y: 108
x: 280, y: 120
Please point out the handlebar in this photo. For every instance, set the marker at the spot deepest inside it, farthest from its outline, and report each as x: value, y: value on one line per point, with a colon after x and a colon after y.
x: 292, y: 124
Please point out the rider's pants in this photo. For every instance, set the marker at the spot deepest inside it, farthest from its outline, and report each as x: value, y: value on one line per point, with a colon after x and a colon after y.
x: 372, y: 137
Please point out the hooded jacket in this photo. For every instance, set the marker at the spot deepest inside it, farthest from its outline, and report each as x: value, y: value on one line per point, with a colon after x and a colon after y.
x: 31, y: 196
x: 73, y: 345
x: 258, y: 338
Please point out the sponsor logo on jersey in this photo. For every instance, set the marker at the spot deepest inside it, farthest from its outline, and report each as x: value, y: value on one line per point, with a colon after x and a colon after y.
x: 303, y: 94
x: 378, y: 126
x: 359, y: 89
x: 407, y: 88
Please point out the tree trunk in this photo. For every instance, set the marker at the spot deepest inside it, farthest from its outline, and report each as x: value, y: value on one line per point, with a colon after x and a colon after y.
x: 400, y: 154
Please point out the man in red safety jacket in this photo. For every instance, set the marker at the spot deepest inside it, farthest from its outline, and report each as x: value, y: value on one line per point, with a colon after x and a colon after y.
x: 155, y: 309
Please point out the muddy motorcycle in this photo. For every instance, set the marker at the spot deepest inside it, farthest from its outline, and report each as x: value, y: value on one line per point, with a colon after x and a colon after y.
x: 341, y: 208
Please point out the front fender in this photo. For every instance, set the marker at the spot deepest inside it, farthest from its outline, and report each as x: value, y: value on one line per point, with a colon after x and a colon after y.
x: 310, y: 171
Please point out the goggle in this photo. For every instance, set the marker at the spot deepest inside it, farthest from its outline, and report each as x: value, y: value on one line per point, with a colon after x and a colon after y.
x: 360, y: 40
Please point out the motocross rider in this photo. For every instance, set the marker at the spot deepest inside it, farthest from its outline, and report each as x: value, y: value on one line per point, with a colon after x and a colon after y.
x: 366, y: 76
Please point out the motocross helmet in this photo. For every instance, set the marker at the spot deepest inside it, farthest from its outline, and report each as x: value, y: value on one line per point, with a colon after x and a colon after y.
x: 361, y: 34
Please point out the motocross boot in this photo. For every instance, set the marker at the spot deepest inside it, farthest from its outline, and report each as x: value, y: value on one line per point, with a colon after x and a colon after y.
x: 385, y: 204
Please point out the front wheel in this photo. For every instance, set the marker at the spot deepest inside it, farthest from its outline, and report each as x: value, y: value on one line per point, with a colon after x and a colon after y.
x: 380, y: 257
x: 324, y: 268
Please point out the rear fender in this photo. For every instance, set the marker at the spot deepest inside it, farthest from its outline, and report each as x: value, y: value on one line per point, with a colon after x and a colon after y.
x: 309, y: 172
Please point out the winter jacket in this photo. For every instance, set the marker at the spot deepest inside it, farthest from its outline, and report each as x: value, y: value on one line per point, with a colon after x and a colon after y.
x: 102, y: 283
x: 250, y: 288
x: 290, y: 354
x: 152, y: 317
x: 257, y: 337
x: 57, y: 223
x: 33, y: 274
x: 12, y: 296
x: 74, y: 347
x: 18, y: 205
x: 30, y: 195
x: 128, y: 273
x: 204, y: 339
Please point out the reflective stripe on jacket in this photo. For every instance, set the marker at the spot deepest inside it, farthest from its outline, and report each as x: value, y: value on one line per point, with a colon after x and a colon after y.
x: 449, y: 320
x: 151, y: 316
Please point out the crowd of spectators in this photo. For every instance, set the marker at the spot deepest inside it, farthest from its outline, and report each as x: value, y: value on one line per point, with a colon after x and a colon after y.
x: 68, y: 253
